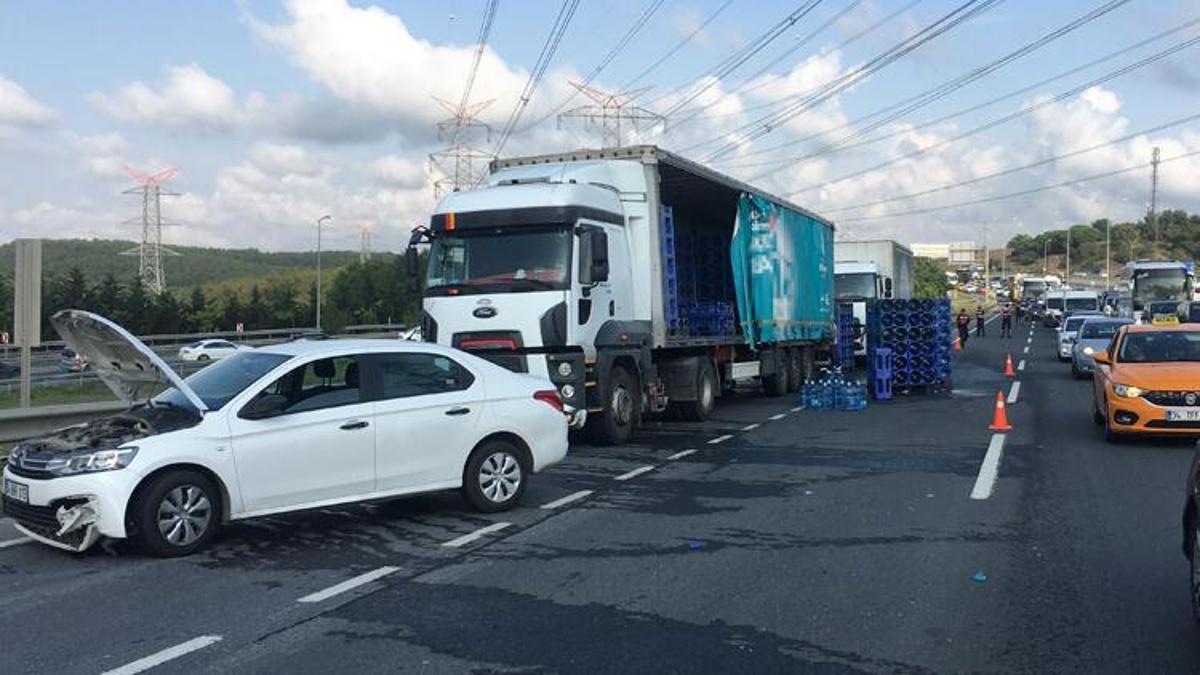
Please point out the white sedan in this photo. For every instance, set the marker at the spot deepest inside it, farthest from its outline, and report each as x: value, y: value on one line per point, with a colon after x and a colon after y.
x: 210, y: 350
x: 294, y: 426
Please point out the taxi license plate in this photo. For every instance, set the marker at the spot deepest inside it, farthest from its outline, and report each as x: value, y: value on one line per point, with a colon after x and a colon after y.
x: 1183, y: 415
x: 16, y: 491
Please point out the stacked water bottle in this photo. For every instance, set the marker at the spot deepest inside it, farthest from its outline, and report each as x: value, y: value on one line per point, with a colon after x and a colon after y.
x: 833, y: 391
x: 918, y: 333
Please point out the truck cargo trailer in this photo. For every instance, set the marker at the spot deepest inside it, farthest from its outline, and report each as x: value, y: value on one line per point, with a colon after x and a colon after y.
x: 633, y: 278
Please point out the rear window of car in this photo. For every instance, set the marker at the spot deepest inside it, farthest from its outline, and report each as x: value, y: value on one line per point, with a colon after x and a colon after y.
x: 1074, y: 323
x: 1099, y: 330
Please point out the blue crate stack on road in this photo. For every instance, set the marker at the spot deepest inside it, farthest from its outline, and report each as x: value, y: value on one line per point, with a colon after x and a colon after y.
x: 845, y: 332
x: 917, y: 334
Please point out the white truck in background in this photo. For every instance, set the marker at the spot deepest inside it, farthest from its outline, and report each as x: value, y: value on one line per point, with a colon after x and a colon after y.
x: 870, y: 270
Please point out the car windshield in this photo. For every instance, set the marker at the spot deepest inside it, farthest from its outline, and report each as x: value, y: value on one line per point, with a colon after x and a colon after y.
x: 1160, y: 347
x: 217, y: 384
x: 1076, y: 304
x: 859, y: 285
x: 1100, y: 330
x: 1074, y: 323
x: 525, y: 258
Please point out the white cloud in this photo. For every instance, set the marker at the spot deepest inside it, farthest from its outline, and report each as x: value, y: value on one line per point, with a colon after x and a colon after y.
x: 399, y: 171
x: 18, y: 109
x: 188, y: 98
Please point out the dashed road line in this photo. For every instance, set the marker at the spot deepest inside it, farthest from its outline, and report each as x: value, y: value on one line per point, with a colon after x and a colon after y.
x: 1030, y: 340
x: 1026, y: 350
x: 720, y: 439
x: 159, y: 658
x: 635, y: 473
x: 573, y: 497
x: 473, y: 536
x: 15, y: 542
x: 1014, y: 392
x: 985, y: 483
x: 1021, y: 365
x: 751, y: 427
x: 798, y: 408
x: 681, y: 454
x: 775, y: 418
x: 348, y: 585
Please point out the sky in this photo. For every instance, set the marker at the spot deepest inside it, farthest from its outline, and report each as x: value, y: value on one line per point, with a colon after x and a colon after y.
x: 277, y: 113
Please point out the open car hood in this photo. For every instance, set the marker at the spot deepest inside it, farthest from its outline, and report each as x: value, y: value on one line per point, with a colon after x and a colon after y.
x: 131, y: 369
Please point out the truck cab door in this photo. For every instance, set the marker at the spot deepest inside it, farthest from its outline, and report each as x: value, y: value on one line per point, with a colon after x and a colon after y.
x: 594, y: 299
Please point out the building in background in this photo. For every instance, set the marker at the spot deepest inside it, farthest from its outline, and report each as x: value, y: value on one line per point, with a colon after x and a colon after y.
x: 954, y: 253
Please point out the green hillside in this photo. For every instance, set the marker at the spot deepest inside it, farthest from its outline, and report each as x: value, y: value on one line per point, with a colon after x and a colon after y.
x: 194, y: 266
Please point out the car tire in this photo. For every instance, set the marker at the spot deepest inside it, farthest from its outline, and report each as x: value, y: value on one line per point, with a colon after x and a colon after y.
x: 707, y: 390
x: 203, y: 357
x: 1194, y: 566
x: 495, y: 476
x: 1110, y: 435
x: 622, y: 405
x: 177, y: 513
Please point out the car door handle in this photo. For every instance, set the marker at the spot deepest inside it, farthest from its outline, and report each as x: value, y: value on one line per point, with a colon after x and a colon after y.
x: 458, y: 411
x: 354, y: 424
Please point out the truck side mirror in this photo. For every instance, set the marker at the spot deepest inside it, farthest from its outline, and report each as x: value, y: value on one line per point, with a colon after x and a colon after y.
x: 410, y: 265
x: 412, y: 261
x: 593, y: 257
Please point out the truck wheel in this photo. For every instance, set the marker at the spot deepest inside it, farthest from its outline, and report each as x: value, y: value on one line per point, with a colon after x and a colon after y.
x: 622, y: 401
x: 706, y: 394
x: 795, y: 377
x: 776, y: 384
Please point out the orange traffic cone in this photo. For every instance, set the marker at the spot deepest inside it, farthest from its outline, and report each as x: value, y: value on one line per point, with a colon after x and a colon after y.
x: 957, y: 345
x: 1000, y: 419
x: 1008, y: 369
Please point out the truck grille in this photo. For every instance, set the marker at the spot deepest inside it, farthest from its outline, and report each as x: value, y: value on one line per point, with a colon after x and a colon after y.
x: 496, y: 346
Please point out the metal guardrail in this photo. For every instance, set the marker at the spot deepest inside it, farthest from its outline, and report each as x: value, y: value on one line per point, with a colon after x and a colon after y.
x: 17, y: 424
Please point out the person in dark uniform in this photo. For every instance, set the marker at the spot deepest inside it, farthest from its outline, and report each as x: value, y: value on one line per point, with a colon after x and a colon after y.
x: 964, y: 327
x: 1006, y: 320
x: 980, y: 317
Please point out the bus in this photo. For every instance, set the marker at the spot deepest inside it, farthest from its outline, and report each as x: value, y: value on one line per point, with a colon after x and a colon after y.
x: 1149, y: 287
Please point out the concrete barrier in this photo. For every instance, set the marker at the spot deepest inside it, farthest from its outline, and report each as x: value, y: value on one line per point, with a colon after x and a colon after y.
x: 17, y: 424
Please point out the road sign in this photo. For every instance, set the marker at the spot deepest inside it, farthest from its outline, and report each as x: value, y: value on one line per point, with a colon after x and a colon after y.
x: 4, y: 337
x: 241, y: 327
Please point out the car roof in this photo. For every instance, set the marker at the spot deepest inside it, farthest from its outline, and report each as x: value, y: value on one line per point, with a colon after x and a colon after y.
x: 1143, y: 328
x: 354, y: 346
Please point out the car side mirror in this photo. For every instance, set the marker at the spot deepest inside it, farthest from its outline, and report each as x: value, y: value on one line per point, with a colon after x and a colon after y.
x: 263, y: 406
x: 1102, y: 358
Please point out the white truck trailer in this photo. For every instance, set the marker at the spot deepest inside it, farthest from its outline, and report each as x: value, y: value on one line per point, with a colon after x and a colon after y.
x: 871, y: 270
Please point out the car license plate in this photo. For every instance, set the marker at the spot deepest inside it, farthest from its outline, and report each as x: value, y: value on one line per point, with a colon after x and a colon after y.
x: 1183, y: 415
x: 16, y: 491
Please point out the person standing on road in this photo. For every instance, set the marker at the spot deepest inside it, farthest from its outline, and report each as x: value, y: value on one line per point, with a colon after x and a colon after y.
x: 980, y: 315
x: 964, y: 327
x: 1006, y: 321
x: 1020, y: 312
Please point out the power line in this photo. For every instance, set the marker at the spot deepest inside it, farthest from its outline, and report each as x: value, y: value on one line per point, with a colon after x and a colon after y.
x: 913, y: 103
x: 1017, y: 169
x: 775, y: 61
x: 959, y: 113
x: 793, y: 97
x: 485, y: 30
x: 633, y: 30
x: 1011, y: 116
x: 1021, y: 193
x: 731, y: 63
x: 766, y: 125
x: 679, y: 45
x: 565, y: 13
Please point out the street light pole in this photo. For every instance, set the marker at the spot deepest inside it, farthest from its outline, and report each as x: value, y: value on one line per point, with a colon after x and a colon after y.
x: 1108, y: 254
x: 320, y: 220
x: 1045, y: 256
x: 1067, y: 276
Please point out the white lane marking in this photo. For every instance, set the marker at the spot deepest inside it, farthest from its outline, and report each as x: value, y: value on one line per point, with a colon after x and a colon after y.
x: 15, y: 542
x: 780, y: 416
x: 720, y: 439
x: 165, y: 655
x: 1027, y: 350
x: 750, y: 427
x: 1014, y: 392
x: 349, y: 584
x: 1021, y: 365
x: 798, y: 408
x: 986, y: 481
x: 477, y: 534
x: 635, y: 473
x: 1030, y: 340
x: 573, y: 497
x: 681, y: 454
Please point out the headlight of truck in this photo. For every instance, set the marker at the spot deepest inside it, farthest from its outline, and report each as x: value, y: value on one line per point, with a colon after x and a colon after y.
x: 564, y: 368
x: 1127, y: 391
x: 92, y: 462
x: 567, y: 391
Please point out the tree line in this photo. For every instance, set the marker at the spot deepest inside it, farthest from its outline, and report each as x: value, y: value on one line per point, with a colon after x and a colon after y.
x: 373, y: 292
x: 1171, y: 234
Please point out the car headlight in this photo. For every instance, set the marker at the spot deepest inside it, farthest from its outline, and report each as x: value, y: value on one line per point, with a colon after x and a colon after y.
x: 92, y: 462
x: 1089, y: 351
x: 564, y: 369
x: 1128, y: 391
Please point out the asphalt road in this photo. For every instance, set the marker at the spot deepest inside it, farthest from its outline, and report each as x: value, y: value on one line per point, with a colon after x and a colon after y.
x: 788, y: 541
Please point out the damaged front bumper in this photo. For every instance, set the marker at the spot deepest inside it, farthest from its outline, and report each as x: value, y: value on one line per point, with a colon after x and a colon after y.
x: 71, y: 513
x: 76, y: 530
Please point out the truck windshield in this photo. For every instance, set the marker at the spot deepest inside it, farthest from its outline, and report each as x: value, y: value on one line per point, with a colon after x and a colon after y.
x: 1164, y: 284
x: 1033, y: 288
x: 1077, y: 304
x: 851, y: 286
x: 1054, y: 302
x: 512, y: 259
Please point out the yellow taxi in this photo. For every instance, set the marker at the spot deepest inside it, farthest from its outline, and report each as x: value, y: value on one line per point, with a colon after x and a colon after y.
x: 1148, y: 381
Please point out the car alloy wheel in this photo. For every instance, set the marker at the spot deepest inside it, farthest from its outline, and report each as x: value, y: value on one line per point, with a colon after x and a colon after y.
x: 500, y: 477
x: 184, y: 515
